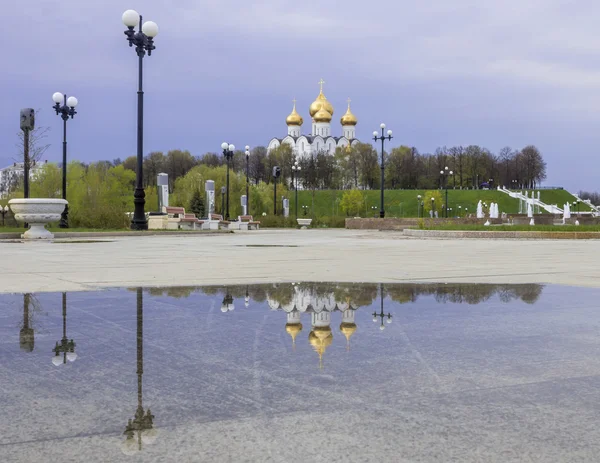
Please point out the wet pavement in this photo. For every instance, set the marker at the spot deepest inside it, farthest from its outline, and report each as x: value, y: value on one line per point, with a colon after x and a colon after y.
x: 302, y: 372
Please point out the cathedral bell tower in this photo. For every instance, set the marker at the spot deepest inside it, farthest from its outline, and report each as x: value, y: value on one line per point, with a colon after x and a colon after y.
x: 294, y: 122
x: 321, y: 112
x: 349, y: 122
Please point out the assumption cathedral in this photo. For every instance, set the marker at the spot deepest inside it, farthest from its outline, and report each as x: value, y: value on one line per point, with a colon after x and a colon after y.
x: 320, y: 139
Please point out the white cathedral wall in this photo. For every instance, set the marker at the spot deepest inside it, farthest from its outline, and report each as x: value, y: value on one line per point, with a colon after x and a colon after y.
x: 349, y: 132
x: 323, y: 129
x: 294, y: 130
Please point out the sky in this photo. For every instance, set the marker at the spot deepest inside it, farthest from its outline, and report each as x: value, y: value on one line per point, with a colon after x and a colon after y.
x: 440, y: 72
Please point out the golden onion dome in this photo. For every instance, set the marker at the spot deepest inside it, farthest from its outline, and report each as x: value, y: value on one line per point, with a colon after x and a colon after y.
x: 322, y: 115
x: 348, y: 329
x: 320, y: 102
x: 349, y: 118
x: 293, y: 329
x: 294, y: 118
x: 320, y: 338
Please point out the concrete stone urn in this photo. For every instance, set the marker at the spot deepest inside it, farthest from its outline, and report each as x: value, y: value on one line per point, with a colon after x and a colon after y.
x: 304, y: 223
x: 37, y: 212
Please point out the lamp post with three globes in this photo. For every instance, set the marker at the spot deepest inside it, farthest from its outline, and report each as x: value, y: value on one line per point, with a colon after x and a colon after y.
x: 65, y: 108
x: 143, y: 40
x: 382, y: 138
x: 228, y: 153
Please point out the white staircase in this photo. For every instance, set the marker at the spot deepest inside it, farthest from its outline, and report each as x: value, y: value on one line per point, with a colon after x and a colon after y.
x: 551, y: 208
x: 596, y: 209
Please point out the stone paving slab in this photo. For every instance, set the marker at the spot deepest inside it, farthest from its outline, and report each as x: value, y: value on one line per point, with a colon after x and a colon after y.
x: 268, y: 256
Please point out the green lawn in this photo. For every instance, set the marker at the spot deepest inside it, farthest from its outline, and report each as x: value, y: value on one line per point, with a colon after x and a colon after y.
x: 560, y: 197
x: 403, y: 203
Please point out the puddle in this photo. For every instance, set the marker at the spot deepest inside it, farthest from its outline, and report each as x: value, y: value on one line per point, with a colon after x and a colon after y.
x: 301, y: 372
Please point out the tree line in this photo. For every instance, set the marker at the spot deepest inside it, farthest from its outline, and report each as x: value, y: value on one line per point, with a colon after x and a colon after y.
x: 359, y: 167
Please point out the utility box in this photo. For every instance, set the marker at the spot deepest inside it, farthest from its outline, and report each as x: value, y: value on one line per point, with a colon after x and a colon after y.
x: 286, y: 207
x: 209, y: 189
x: 244, y: 205
x: 162, y: 183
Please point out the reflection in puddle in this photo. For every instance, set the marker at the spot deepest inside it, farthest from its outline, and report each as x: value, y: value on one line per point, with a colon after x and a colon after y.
x: 141, y: 429
x: 229, y: 355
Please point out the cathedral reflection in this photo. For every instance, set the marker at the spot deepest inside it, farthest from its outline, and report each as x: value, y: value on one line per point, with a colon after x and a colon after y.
x: 319, y: 303
x: 139, y: 430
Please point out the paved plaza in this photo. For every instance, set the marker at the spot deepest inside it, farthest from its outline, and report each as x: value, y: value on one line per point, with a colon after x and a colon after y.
x: 268, y: 256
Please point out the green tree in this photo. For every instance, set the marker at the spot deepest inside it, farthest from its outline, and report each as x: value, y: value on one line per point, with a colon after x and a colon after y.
x: 197, y: 204
x: 352, y: 202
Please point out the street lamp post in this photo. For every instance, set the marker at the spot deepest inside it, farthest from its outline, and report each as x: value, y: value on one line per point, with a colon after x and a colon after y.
x: 381, y: 315
x: 418, y: 206
x: 247, y: 180
x: 143, y: 40
x: 228, y: 153
x: 65, y: 108
x: 65, y: 346
x: 382, y: 138
x: 444, y: 173
x: 296, y: 168
x: 432, y: 208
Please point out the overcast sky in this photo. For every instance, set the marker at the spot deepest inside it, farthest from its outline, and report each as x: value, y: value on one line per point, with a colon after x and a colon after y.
x: 486, y: 72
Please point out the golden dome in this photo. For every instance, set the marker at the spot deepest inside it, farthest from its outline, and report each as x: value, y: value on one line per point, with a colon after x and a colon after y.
x: 348, y: 330
x: 320, y: 102
x: 320, y: 338
x: 293, y: 329
x: 349, y: 118
x: 322, y: 115
x: 294, y: 118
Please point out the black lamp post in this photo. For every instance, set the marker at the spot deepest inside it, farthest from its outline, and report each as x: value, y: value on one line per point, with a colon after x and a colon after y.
x: 444, y: 173
x: 381, y: 315
x: 418, y: 206
x: 143, y: 40
x: 140, y: 430
x: 432, y: 208
x: 382, y: 138
x: 65, y: 108
x: 296, y: 168
x: 247, y: 180
x: 65, y: 346
x: 228, y: 153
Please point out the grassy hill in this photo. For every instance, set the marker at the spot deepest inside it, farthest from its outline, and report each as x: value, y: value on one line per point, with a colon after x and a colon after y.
x: 403, y: 203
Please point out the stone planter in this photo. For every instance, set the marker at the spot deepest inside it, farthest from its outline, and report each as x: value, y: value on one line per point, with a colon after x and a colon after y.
x: 304, y: 223
x: 37, y: 212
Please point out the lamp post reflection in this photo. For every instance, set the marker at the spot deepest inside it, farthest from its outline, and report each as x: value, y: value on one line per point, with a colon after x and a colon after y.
x: 141, y: 429
x: 247, y: 298
x: 382, y: 315
x: 65, y: 346
x: 26, y: 335
x: 227, y: 305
